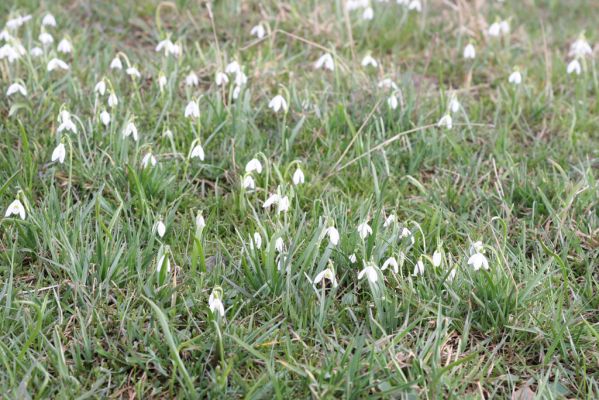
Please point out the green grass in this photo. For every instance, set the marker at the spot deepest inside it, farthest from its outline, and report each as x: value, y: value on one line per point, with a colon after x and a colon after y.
x: 85, y: 314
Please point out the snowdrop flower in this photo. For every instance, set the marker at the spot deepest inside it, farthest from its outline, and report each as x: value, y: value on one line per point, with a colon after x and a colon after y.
x: 167, y: 134
x: 163, y: 261
x: 46, y: 38
x: 454, y: 104
x: 236, y: 92
x: 105, y: 118
x: 116, y: 63
x: 325, y: 61
x: 391, y: 219
x: 113, y: 101
x: 452, y: 274
x: 59, y: 153
x: 327, y: 274
x: 469, y: 52
x: 504, y: 27
x: 4, y: 35
x: 200, y: 221
x: 391, y: 262
x: 387, y: 84
x: 333, y: 235
x: 574, y: 67
x: 415, y: 5
x: 248, y: 183
x: 49, y: 20
x: 215, y: 303
x: 165, y: 45
x: 159, y: 228
x: 162, y: 82
x: 15, y: 208
x: 66, y: 123
x: 192, y: 110
x: 8, y: 51
x: 368, y: 14
x: 257, y: 240
x: 353, y: 258
x: 515, y: 78
x: 272, y: 199
x: 57, y: 63
x: 279, y: 245
x: 278, y: 103
x: 437, y: 258
x: 370, y: 272
x: 240, y: 78
x: 445, y: 121
x: 233, y: 68
x: 258, y: 31
x: 478, y: 261
x: 16, y: 88
x: 16, y: 22
x: 283, y: 204
x: 369, y: 61
x: 221, y: 79
x: 133, y: 72
x: 364, y: 230
x: 494, y: 29
x: 405, y: 232
x: 418, y: 268
x: 477, y: 247
x: 131, y: 130
x: 580, y: 48
x: 64, y: 46
x: 100, y: 87
x: 356, y: 4
x: 197, y: 152
x: 36, y: 52
x: 192, y: 79
x: 392, y: 102
x: 298, y: 177
x: 148, y: 160
x: 253, y: 165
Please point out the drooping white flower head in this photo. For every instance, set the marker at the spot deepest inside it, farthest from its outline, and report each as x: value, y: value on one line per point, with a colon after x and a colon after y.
x: 236, y: 92
x: 415, y: 5
x: 16, y: 88
x: 419, y: 268
x: 221, y: 79
x: 49, y: 20
x: 437, y: 258
x: 17, y: 22
x: 580, y: 48
x: 258, y: 31
x: 65, y: 46
x: 298, y: 176
x: 283, y: 204
x: 369, y: 61
x: 162, y: 82
x: 371, y: 273
x: 272, y: 199
x: 15, y: 208
x: 192, y: 110
x: 364, y: 230
x: 392, y: 102
x: 469, y: 52
x: 257, y: 240
x: 278, y: 103
x: 233, y: 68
x: 391, y: 262
x: 159, y: 228
x: 215, y: 303
x: 148, y: 160
x: 116, y: 63
x: 454, y: 103
x: 387, y: 83
x: 333, y: 235
x: 248, y: 183
x: 133, y: 72
x: 59, y: 153
x: 325, y: 61
x: 45, y: 38
x: 352, y: 258
x: 100, y: 87
x: 390, y: 220
x: 57, y: 63
x: 445, y: 121
x: 279, y: 245
x: 36, y: 52
x: 65, y: 122
x: 253, y: 165
x: 368, y: 14
x: 327, y: 274
x: 197, y: 152
x: 9, y: 52
x: 200, y: 221
x: 515, y: 78
x: 163, y: 262
x: 478, y: 261
x: 113, y: 101
x: 574, y: 67
x: 477, y: 247
x: 131, y: 130
x: 105, y: 117
x: 192, y: 79
x: 4, y: 35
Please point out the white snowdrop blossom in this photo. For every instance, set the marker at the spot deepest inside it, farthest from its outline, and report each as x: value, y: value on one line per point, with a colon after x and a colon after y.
x: 325, y: 61
x: 327, y: 274
x: 415, y: 5
x: 574, y: 67
x: 405, y: 232
x: 392, y: 102
x: 257, y: 240
x: 515, y: 78
x: 113, y: 101
x: 454, y: 104
x: 48, y: 20
x: 333, y: 235
x: 192, y: 79
x: 364, y: 230
x: 391, y: 262
x: 240, y: 78
x: 390, y: 220
x: 162, y: 82
x: 57, y: 63
x: 197, y: 152
x: 278, y: 103
x: 445, y: 121
x: 105, y: 117
x: 163, y: 261
x: 200, y: 221
x: 192, y: 110
x: 148, y: 160
x: 59, y: 153
x: 477, y: 247
x: 369, y: 61
x: 16, y: 88
x: 279, y: 245
x: 15, y: 208
x: 9, y: 52
x: 215, y: 304
x: 352, y: 5
x: 258, y: 31
x: 65, y: 122
x: 248, y: 183
x: 116, y: 63
x: 272, y: 199
x: 4, y: 35
x: 469, y: 52
x: 133, y: 72
x: 478, y: 261
x: 236, y: 92
x: 159, y: 228
x: 368, y: 14
x: 131, y: 130
x: 504, y: 27
x: 437, y: 258
x: 221, y: 79
x: 370, y: 272
x: 419, y: 268
x: 16, y: 22
x: 580, y: 48
x: 36, y: 52
x: 352, y: 258
x: 45, y: 38
x: 64, y: 46
x: 168, y: 46
x: 387, y: 84
x: 283, y: 204
x: 298, y: 177
x: 233, y: 68
x: 253, y: 165
x: 100, y: 87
